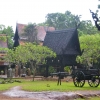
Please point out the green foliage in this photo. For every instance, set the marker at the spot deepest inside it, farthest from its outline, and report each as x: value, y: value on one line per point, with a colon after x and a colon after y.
x: 91, y: 46
x: 3, y: 38
x: 86, y: 27
x: 34, y: 54
x: 30, y: 31
x: 62, y: 21
x: 10, y: 56
x: 42, y: 86
x: 69, y: 20
x: 51, y: 69
x: 9, y: 32
x: 21, y: 55
x: 10, y: 42
x: 90, y: 98
x: 28, y: 52
x: 67, y: 69
x: 38, y: 53
x: 2, y: 28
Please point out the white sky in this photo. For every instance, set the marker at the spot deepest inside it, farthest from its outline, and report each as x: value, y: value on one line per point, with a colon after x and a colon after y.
x: 34, y: 11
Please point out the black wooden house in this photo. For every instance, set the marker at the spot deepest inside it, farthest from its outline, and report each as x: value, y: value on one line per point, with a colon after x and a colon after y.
x: 66, y: 45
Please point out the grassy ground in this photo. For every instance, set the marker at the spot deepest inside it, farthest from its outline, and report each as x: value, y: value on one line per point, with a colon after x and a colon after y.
x: 93, y: 98
x: 41, y: 85
x: 52, y: 86
x: 46, y: 86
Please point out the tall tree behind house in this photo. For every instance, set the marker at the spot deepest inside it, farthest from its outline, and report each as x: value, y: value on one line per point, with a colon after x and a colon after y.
x: 16, y: 38
x: 30, y: 32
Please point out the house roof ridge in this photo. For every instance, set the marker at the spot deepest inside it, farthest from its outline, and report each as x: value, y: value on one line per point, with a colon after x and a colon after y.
x: 63, y: 30
x: 21, y: 24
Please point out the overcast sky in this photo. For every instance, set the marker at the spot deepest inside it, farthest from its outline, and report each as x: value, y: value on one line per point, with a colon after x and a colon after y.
x: 34, y: 11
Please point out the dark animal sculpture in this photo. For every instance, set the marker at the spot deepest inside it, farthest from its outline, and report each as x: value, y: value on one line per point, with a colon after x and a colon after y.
x: 96, y: 20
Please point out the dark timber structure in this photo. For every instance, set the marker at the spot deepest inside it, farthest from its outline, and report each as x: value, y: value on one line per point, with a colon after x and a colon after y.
x: 16, y: 38
x: 66, y: 45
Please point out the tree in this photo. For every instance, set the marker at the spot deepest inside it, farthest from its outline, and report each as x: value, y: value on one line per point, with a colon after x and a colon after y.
x: 31, y: 32
x: 21, y: 57
x: 69, y: 20
x: 91, y: 46
x: 86, y: 27
x: 62, y: 21
x: 37, y: 55
x: 10, y: 34
x: 10, y: 56
x: 2, y: 27
x: 34, y: 54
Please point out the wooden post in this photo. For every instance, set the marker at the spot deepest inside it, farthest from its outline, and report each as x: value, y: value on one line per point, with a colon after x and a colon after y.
x: 46, y: 71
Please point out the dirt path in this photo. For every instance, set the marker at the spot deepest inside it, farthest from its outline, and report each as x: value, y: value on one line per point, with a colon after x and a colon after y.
x: 16, y: 93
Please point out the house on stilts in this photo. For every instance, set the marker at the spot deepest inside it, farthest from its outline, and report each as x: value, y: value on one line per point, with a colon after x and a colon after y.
x: 66, y: 45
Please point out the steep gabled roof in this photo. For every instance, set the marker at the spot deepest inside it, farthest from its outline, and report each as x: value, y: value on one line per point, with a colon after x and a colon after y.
x: 40, y: 29
x: 63, y: 41
x: 16, y: 38
x: 21, y: 28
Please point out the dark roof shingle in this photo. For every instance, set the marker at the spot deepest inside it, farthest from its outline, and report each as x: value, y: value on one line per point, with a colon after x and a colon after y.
x: 60, y: 41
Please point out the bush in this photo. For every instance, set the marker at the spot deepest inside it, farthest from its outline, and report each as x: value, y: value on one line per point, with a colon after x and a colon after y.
x: 67, y: 69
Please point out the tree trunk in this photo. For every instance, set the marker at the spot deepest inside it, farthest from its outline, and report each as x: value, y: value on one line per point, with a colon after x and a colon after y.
x: 33, y: 65
x: 34, y: 73
x: 19, y: 70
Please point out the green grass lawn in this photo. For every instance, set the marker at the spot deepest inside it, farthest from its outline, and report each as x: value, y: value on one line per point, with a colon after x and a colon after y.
x: 93, y: 98
x: 46, y: 86
x: 52, y: 86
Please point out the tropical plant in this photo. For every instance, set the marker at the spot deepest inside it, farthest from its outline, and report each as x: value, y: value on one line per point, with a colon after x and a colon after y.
x: 37, y: 55
x: 34, y: 54
x: 91, y: 46
x: 9, y: 34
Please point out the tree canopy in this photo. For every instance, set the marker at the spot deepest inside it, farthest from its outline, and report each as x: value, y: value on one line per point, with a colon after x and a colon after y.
x: 62, y: 21
x: 10, y: 34
x: 29, y: 53
x: 31, y: 32
x: 91, y: 46
x: 68, y: 20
